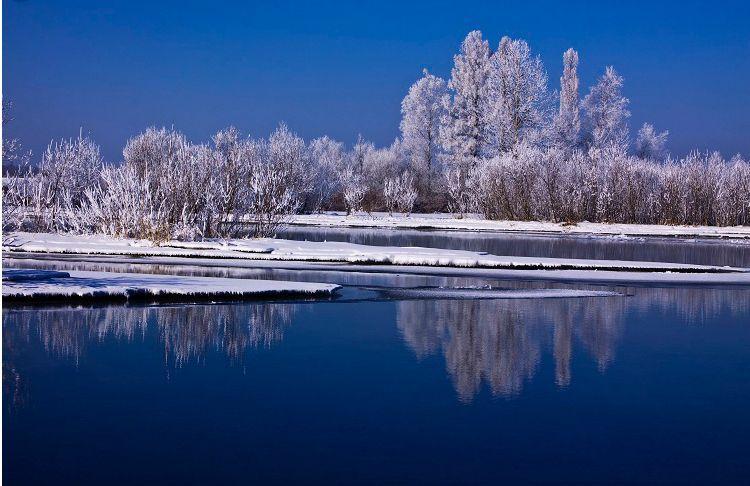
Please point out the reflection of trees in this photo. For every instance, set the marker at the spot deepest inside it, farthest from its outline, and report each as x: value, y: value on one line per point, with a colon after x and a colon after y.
x: 188, y: 333
x: 500, y: 342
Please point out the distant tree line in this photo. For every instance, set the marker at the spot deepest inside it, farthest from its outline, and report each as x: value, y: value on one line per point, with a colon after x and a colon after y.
x: 492, y: 139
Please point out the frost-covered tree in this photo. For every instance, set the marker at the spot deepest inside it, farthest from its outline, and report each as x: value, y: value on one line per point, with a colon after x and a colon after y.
x: 606, y: 113
x: 327, y: 157
x: 650, y: 144
x: 287, y: 151
x: 11, y: 146
x: 463, y: 127
x: 567, y: 123
x: 421, y: 111
x: 517, y: 98
x: 380, y: 164
x: 359, y: 153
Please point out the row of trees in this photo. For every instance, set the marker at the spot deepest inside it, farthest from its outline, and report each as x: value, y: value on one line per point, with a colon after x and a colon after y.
x: 492, y: 139
x: 167, y: 187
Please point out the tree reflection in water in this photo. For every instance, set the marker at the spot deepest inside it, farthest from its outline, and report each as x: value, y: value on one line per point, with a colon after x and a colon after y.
x: 500, y: 342
x: 187, y: 332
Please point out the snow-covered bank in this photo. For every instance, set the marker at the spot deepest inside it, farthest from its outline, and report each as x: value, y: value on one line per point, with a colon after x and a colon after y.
x: 327, y: 271
x: 329, y: 252
x: 39, y: 286
x: 474, y: 222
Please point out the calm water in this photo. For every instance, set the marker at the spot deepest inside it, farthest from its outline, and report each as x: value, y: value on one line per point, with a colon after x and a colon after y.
x: 368, y: 388
x: 675, y: 250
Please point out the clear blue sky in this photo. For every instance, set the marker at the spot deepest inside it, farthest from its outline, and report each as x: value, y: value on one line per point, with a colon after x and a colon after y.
x: 341, y: 68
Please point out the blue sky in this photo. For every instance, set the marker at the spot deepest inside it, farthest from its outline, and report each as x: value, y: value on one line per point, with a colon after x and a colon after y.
x: 342, y: 68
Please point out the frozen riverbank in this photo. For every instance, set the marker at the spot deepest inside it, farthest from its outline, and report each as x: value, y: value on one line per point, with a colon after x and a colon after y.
x: 41, y: 286
x: 474, y: 222
x: 329, y: 252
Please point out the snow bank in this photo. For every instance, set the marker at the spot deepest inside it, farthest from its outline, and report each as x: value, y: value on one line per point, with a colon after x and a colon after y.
x: 40, y: 285
x: 332, y: 252
x: 474, y: 222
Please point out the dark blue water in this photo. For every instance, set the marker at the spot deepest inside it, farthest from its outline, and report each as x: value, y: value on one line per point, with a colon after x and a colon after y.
x: 647, y: 388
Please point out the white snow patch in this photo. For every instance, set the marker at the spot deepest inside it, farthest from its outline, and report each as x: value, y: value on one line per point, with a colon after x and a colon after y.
x: 40, y: 285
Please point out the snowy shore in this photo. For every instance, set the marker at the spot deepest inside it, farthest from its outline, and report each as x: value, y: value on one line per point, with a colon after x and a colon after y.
x: 39, y: 285
x: 328, y: 252
x: 474, y: 222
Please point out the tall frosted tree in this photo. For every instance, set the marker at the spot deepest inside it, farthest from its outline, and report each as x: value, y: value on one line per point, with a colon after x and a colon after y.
x: 359, y: 153
x: 517, y: 97
x: 567, y: 124
x: 606, y: 113
x: 422, y: 110
x: 463, y: 127
x: 650, y: 144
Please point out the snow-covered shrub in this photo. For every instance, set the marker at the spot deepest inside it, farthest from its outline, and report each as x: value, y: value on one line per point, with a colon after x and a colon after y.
x: 43, y: 199
x: 227, y: 193
x: 407, y: 195
x: 160, y: 159
x: 354, y: 190
x: 400, y: 193
x: 702, y: 175
x: 459, y: 195
x: 124, y: 205
x: 506, y: 187
x: 735, y: 196
x: 272, y: 199
x: 390, y: 194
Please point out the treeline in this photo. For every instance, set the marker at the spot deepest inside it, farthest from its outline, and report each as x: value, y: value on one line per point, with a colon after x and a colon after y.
x: 492, y: 139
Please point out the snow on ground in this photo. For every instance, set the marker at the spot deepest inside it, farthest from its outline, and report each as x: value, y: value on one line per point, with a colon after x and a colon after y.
x: 333, y: 252
x: 38, y: 285
x: 475, y: 222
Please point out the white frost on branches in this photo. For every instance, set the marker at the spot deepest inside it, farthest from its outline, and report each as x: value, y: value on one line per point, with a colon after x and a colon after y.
x: 463, y: 127
x: 651, y: 145
x: 607, y: 113
x: 567, y: 123
x: 421, y: 110
x: 518, y: 103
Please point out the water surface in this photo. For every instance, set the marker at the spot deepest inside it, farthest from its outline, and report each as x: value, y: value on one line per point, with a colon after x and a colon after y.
x: 648, y: 387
